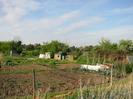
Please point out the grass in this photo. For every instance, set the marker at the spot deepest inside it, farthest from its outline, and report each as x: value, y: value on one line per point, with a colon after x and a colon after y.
x: 122, y: 89
x: 14, y: 61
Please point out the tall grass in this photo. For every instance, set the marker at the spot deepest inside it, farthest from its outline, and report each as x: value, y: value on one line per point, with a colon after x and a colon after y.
x: 122, y: 89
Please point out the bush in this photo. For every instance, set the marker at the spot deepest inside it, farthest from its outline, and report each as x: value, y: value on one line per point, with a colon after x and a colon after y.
x: 82, y: 60
x: 30, y: 53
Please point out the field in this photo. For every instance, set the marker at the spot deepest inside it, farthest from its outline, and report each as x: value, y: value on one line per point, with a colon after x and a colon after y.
x: 17, y: 80
x: 62, y: 80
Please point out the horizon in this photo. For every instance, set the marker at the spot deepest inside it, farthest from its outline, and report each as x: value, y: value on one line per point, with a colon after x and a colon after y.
x: 67, y: 43
x: 76, y: 22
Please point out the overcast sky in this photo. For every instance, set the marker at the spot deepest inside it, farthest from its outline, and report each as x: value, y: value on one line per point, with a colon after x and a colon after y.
x: 78, y: 22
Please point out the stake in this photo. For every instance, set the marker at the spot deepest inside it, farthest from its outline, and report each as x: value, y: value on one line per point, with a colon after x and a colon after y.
x: 34, y: 87
x: 104, y: 60
x: 111, y: 77
x: 81, y: 92
x: 87, y: 58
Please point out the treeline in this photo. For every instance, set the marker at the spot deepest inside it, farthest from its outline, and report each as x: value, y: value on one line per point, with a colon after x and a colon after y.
x: 105, y: 47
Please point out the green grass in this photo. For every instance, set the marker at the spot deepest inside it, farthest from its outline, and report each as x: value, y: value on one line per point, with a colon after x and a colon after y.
x: 13, y: 61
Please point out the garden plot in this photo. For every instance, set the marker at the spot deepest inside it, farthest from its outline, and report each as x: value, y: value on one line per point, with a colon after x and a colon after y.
x: 17, y: 80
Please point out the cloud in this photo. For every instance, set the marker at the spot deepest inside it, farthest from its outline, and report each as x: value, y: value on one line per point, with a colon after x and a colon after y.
x: 40, y: 25
x: 90, y: 22
x: 13, y: 13
x: 50, y: 24
x: 114, y: 34
x: 14, y: 10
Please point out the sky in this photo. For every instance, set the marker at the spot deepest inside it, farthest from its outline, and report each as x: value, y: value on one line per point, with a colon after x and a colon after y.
x: 76, y: 22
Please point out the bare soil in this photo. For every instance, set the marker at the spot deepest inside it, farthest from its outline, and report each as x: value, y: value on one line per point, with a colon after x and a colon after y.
x: 56, y: 80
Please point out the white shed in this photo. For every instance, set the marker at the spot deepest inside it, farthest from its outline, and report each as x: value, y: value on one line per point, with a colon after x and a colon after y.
x: 47, y: 55
x: 42, y: 56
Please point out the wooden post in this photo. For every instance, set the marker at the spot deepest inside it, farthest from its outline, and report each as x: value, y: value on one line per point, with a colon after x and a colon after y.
x: 93, y: 62
x: 87, y: 58
x: 104, y: 60
x: 34, y: 86
x: 111, y: 74
x: 81, y: 91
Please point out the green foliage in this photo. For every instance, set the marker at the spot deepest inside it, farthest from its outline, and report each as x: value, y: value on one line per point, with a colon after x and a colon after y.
x: 126, y: 46
x: 5, y: 47
x: 54, y: 47
x: 13, y: 61
x: 89, y: 59
x: 30, y: 53
x: 120, y: 70
x: 76, y: 52
x: 106, y: 46
x: 17, y: 47
x: 82, y: 60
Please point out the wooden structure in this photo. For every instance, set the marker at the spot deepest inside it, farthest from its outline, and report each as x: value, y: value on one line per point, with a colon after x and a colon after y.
x: 69, y: 57
x: 59, y: 56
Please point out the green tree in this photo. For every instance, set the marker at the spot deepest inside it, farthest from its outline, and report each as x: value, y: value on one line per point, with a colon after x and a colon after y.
x: 17, y: 47
x: 107, y: 47
x: 75, y: 51
x: 54, y: 47
x: 125, y: 46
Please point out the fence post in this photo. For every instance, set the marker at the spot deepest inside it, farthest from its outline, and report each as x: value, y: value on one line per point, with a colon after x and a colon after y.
x: 34, y: 86
x: 111, y: 74
x: 81, y: 91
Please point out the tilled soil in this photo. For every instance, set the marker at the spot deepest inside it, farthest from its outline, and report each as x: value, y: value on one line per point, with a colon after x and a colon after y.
x: 56, y: 80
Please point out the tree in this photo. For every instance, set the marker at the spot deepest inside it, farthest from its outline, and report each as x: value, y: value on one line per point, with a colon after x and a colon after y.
x: 107, y: 47
x: 76, y: 52
x: 125, y: 46
x: 54, y: 47
x: 17, y: 47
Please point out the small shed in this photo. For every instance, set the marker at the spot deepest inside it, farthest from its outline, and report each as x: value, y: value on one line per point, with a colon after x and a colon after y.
x: 47, y: 55
x: 59, y: 56
x: 69, y: 57
x: 42, y: 56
